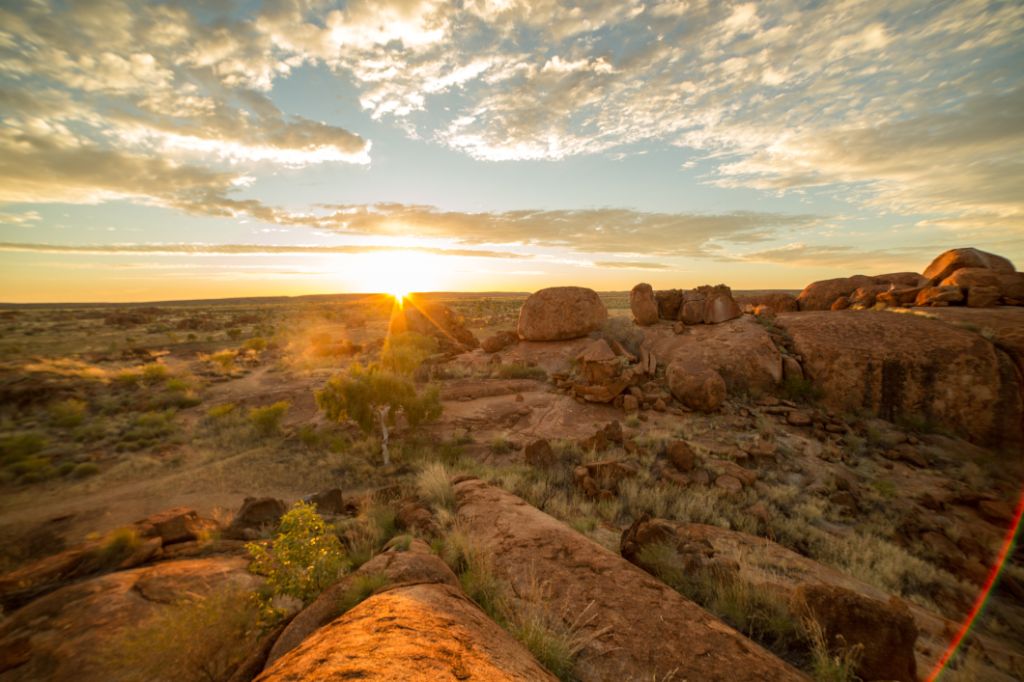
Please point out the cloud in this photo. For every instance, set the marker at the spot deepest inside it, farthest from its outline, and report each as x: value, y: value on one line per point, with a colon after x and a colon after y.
x: 605, y: 230
x: 245, y: 249
x: 873, y: 261
x: 23, y: 218
x: 631, y: 265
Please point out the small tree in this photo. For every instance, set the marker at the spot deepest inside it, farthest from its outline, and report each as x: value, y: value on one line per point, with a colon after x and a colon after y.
x: 304, y: 558
x: 371, y: 397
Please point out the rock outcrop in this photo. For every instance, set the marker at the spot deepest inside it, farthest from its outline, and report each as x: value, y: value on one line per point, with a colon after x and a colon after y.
x: 418, y: 627
x: 907, y: 366
x: 822, y: 294
x: 430, y: 318
x: 696, y: 385
x: 883, y: 631
x: 741, y: 350
x: 643, y: 305
x: 948, y: 262
x: 560, y: 313
x: 636, y: 626
x: 73, y: 634
x: 498, y: 342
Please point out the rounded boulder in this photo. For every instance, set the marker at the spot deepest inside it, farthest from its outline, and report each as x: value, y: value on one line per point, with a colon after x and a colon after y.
x: 561, y: 313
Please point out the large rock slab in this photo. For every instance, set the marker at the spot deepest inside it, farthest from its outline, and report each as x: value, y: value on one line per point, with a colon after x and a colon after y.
x: 902, y: 366
x: 740, y: 350
x: 948, y: 262
x: 62, y: 634
x: 414, y: 566
x: 560, y: 313
x: 418, y: 633
x: 652, y: 631
x: 769, y: 565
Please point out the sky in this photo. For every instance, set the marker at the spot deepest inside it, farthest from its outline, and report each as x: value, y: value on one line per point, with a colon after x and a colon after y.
x: 176, y: 150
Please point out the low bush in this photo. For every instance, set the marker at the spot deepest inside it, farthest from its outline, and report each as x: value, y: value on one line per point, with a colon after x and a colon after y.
x: 359, y: 393
x: 266, y: 421
x: 69, y: 413
x: 303, y: 559
x: 435, y: 486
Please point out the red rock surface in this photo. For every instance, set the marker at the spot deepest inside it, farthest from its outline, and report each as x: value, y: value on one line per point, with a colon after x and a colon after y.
x: 419, y: 633
x: 906, y: 366
x: 560, y: 313
x: 651, y: 629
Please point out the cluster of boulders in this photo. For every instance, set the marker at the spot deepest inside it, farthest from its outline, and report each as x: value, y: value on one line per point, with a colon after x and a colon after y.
x: 968, y: 276
x: 703, y: 305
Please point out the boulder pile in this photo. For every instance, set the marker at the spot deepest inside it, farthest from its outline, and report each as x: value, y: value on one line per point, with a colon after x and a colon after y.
x: 704, y: 305
x: 967, y: 276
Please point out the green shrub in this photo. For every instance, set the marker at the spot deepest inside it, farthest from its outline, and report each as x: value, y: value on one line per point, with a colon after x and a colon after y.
x: 194, y: 640
x: 155, y: 373
x: 68, y: 413
x: 147, y: 429
x: 304, y: 557
x: 234, y: 333
x: 22, y: 445
x: 517, y: 370
x: 267, y: 420
x: 84, y: 470
x: 403, y: 353
x: 359, y: 393
x: 221, y: 411
x: 117, y: 546
x: 223, y: 360
x: 257, y: 344
x: 799, y: 389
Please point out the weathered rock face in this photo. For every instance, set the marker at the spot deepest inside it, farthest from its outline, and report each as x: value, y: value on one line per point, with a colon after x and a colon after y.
x: 65, y: 635
x: 670, y: 301
x: 692, y: 311
x: 414, y: 566
x: 256, y: 515
x: 720, y: 308
x: 418, y: 632
x: 696, y: 385
x: 776, y: 302
x: 740, y: 350
x: 886, y: 631
x: 950, y: 261
x: 643, y: 305
x: 706, y: 546
x: 430, y: 318
x: 598, y: 362
x: 942, y: 295
x: 821, y: 295
x: 560, y: 313
x: 651, y: 630
x: 499, y: 341
x: 907, y: 366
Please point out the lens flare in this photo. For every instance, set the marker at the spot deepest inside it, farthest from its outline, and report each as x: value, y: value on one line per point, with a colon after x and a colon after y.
x: 979, y: 603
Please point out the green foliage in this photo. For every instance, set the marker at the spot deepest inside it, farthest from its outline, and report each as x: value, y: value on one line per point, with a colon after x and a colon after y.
x: 22, y: 445
x: 257, y: 343
x: 831, y: 664
x: 234, y: 333
x: 116, y: 547
x: 517, y: 370
x: 266, y: 421
x: 799, y: 389
x: 68, y: 413
x: 366, y: 534
x: 148, y: 429
x: 357, y: 394
x: 403, y: 353
x: 154, y: 373
x: 304, y: 557
x: 84, y: 470
x: 221, y: 411
x: 502, y: 446
x: 223, y: 360
x: 194, y: 640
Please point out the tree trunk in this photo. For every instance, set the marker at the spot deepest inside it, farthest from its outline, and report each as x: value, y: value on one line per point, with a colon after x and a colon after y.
x: 382, y: 414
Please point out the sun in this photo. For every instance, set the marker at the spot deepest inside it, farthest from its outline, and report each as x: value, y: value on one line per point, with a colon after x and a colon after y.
x: 399, y: 273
